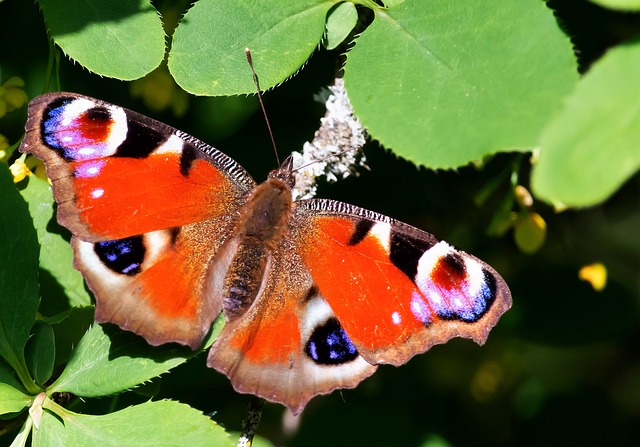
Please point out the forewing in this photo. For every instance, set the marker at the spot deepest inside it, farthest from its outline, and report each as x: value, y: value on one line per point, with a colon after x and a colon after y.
x: 116, y: 173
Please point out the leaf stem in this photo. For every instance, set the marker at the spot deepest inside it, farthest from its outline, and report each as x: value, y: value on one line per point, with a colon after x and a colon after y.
x: 51, y: 405
x: 19, y: 364
x: 250, y: 422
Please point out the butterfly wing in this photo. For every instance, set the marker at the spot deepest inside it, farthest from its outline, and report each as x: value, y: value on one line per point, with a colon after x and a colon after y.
x: 396, y: 290
x: 152, y: 210
x: 116, y: 173
x: 148, y: 207
x: 269, y: 351
x: 349, y: 289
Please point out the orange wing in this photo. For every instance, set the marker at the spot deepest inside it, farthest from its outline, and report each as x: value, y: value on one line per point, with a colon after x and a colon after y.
x: 148, y: 206
x: 269, y: 350
x: 395, y: 289
x: 116, y: 173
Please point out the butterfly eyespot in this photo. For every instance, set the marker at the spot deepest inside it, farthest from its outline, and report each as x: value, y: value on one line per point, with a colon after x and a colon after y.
x: 330, y: 345
x: 124, y: 256
x: 449, y: 271
x: 79, y: 129
x: 455, y: 286
x: 469, y: 302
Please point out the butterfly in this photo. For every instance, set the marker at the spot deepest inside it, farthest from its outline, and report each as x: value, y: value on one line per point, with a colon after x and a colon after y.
x: 169, y: 232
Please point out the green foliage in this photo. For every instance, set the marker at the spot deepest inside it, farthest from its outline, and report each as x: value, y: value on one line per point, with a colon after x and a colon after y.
x: 122, y: 39
x: 623, y: 5
x: 19, y: 297
x: 441, y: 83
x: 171, y: 421
x: 103, y: 364
x: 207, y: 54
x: 12, y: 400
x: 591, y: 147
x: 340, y: 22
x: 57, y: 261
x: 40, y: 352
x: 436, y: 80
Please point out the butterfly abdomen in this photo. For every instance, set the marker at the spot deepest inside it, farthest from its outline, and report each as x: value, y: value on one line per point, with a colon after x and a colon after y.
x: 261, y: 225
x: 244, y: 278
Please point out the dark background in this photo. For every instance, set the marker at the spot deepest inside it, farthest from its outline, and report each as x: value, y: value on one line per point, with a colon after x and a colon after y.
x: 563, y: 365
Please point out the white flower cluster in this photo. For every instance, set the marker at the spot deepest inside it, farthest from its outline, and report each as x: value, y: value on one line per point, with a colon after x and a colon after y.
x: 335, y: 151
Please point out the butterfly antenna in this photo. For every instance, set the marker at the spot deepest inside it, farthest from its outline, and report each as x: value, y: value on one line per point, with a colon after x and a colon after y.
x: 264, y: 111
x: 326, y: 157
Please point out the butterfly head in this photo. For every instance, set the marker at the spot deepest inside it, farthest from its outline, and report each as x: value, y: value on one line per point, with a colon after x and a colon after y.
x: 285, y: 173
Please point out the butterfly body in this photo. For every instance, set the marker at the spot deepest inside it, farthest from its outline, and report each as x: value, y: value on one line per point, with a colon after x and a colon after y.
x: 241, y: 267
x: 169, y: 232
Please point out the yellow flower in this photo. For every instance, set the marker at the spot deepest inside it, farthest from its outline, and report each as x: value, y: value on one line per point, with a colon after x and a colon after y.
x: 19, y: 170
x: 4, y: 144
x: 595, y: 274
x: 530, y: 231
x: 159, y: 92
x: 12, y: 96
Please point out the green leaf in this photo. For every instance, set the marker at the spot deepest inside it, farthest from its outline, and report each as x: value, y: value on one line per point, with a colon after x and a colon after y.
x: 70, y: 330
x: 341, y: 21
x: 40, y: 352
x: 207, y: 54
x: 591, y: 147
x: 12, y: 400
x: 51, y: 432
x: 392, y: 3
x: 216, y: 328
x: 8, y: 376
x: 21, y: 439
x: 446, y: 82
x: 19, y: 296
x: 108, y: 360
x: 149, y: 389
x: 161, y: 423
x: 121, y: 39
x: 622, y: 5
x: 56, y: 258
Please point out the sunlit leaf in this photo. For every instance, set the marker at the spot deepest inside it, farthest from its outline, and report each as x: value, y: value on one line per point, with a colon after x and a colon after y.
x: 122, y: 39
x: 591, y: 147
x: 207, y: 54
x: 442, y: 82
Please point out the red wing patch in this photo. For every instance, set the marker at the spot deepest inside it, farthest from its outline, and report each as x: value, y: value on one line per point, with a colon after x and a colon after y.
x: 364, y: 289
x: 119, y: 197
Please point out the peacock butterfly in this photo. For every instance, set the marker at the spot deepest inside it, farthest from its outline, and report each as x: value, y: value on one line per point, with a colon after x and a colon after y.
x: 169, y: 232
